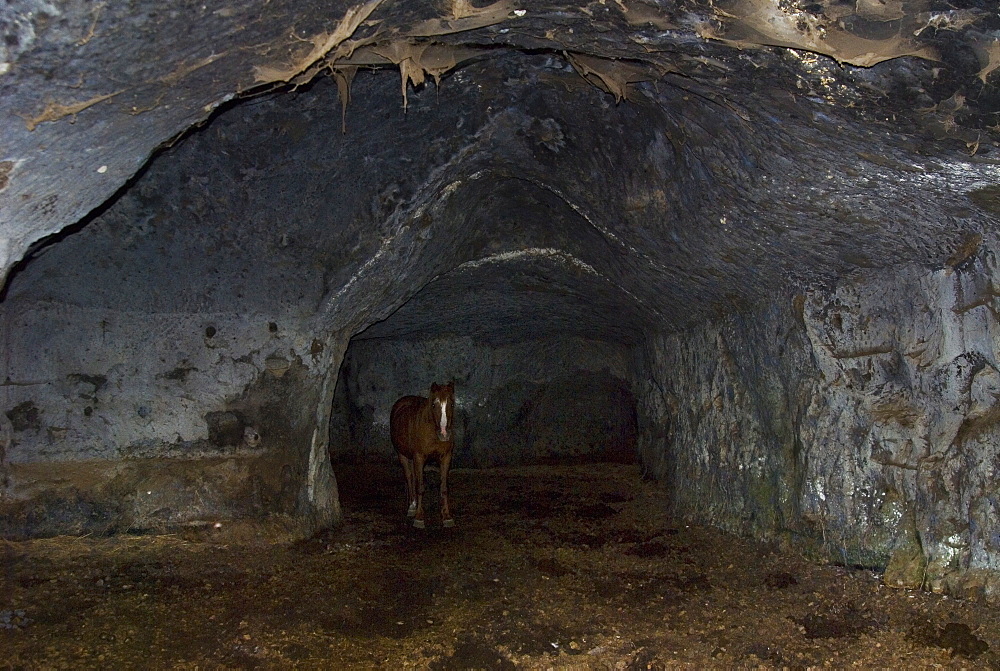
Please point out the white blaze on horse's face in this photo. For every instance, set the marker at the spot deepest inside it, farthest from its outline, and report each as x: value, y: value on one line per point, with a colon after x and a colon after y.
x: 443, y: 422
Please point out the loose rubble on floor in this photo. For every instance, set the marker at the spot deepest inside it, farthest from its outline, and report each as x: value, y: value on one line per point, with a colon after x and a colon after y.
x: 572, y: 567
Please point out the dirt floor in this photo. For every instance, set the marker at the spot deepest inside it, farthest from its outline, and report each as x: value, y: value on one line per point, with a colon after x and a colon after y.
x: 567, y: 567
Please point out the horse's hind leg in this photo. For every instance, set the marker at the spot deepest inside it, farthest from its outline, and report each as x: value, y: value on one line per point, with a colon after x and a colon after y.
x: 411, y: 486
x: 446, y: 517
x: 418, y: 472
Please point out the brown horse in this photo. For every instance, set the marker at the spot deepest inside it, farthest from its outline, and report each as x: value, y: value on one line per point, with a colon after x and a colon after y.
x: 422, y: 428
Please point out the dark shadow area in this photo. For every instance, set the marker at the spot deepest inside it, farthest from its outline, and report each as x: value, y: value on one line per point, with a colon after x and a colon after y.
x: 538, y: 402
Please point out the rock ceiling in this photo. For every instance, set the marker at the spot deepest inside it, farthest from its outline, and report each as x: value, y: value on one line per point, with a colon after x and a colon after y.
x: 692, y: 155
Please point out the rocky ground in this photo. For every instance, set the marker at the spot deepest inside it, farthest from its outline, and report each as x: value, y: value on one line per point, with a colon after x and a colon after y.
x: 572, y: 567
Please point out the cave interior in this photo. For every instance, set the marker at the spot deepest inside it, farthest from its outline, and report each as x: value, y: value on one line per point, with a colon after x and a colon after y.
x: 748, y: 245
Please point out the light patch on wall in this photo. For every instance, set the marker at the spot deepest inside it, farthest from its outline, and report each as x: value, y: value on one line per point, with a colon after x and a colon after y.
x: 416, y: 60
x: 989, y: 57
x: 323, y: 44
x: 769, y: 23
x: 639, y: 14
x: 955, y: 175
x: 54, y: 111
x: 464, y: 16
x: 386, y: 243
x: 612, y: 75
x: 532, y: 253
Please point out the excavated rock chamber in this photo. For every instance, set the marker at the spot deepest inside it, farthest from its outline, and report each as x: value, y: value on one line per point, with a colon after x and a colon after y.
x: 767, y: 276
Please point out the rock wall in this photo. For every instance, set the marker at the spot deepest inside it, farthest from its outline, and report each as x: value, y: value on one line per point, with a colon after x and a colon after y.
x: 536, y: 401
x: 116, y: 421
x: 859, y: 420
x: 719, y: 411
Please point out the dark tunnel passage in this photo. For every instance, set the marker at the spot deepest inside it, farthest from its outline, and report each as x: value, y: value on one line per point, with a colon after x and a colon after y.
x: 536, y: 339
x: 540, y: 401
x: 713, y: 281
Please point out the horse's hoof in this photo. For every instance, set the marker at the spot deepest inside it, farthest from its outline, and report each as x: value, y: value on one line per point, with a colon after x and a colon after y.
x: 419, y: 524
x: 412, y: 510
x: 449, y: 523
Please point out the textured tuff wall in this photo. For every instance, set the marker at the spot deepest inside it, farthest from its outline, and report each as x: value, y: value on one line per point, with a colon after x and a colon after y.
x: 861, y: 419
x: 119, y: 420
x: 522, y: 403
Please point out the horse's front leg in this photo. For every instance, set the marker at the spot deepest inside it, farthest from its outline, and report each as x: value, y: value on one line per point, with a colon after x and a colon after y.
x: 418, y: 471
x: 446, y: 517
x: 411, y: 486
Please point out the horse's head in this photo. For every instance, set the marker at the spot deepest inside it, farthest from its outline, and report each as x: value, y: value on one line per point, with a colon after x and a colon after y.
x: 443, y: 409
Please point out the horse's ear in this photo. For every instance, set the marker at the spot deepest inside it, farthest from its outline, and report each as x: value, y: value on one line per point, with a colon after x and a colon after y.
x: 434, y: 387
